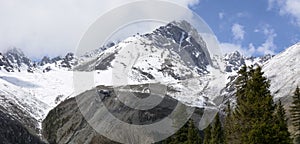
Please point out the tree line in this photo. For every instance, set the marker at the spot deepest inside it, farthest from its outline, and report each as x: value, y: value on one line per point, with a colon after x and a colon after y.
x: 254, y: 118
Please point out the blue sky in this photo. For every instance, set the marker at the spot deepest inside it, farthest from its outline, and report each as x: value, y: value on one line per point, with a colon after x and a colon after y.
x: 255, y: 27
x: 54, y: 27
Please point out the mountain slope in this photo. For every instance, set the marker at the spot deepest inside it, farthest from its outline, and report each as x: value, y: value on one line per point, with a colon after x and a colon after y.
x: 173, y: 56
x: 283, y: 71
x: 12, y: 131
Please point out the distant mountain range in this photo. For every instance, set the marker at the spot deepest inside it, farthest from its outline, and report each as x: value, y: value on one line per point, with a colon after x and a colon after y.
x: 38, y: 101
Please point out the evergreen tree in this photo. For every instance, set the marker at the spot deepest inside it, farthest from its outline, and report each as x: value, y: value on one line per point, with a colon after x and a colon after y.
x: 295, y: 114
x: 193, y: 134
x: 217, y: 134
x: 188, y: 134
x: 283, y: 135
x: 240, y: 115
x: 180, y: 136
x: 207, y: 135
x: 260, y: 106
x: 241, y: 83
x: 230, y: 132
x: 254, y: 114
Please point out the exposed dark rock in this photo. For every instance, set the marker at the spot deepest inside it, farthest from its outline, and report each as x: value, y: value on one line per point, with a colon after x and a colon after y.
x: 188, y: 44
x: 14, y: 132
x: 66, y: 124
x: 69, y: 61
x: 234, y: 61
x: 45, y: 60
x: 47, y: 69
x: 105, y: 63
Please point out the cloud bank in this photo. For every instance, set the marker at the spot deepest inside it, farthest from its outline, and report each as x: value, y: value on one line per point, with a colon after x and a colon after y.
x: 52, y: 27
x: 267, y: 47
x: 287, y: 7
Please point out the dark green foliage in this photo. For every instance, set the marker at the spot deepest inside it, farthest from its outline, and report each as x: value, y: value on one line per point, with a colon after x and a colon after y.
x: 295, y: 114
x: 230, y: 132
x: 180, y: 136
x: 188, y: 134
x: 217, y: 134
x: 254, y: 120
x: 281, y: 125
x: 207, y: 134
x: 193, y: 134
x: 214, y: 133
x: 241, y: 84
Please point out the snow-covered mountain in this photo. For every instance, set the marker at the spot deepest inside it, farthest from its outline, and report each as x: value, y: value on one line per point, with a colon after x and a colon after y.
x: 14, y: 60
x: 29, y: 90
x: 174, y: 56
x: 283, y: 71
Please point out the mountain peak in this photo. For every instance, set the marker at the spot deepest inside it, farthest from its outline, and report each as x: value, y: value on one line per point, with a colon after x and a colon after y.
x: 233, y: 54
x: 186, y: 26
x: 17, y: 58
x: 182, y: 38
x: 15, y: 51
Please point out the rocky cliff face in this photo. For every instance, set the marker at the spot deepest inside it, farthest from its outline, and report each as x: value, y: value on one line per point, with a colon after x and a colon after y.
x: 12, y: 131
x: 183, y: 39
x: 66, y: 124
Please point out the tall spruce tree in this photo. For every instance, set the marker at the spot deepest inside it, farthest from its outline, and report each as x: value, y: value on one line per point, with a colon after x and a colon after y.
x: 217, y: 134
x: 188, y: 134
x: 283, y: 135
x: 193, y: 134
x: 295, y: 115
x: 260, y: 110
x: 230, y: 132
x: 240, y: 114
x: 254, y: 114
x: 207, y: 135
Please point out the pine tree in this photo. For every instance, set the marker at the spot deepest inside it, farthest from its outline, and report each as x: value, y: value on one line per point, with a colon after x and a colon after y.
x: 180, y: 136
x: 207, y: 135
x: 240, y: 114
x: 230, y: 132
x: 283, y: 135
x: 241, y: 83
x: 217, y: 134
x: 188, y: 134
x: 295, y: 114
x: 193, y: 134
x: 260, y: 106
x: 254, y: 114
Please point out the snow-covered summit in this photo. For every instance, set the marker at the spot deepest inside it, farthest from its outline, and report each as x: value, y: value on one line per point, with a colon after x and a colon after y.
x: 284, y: 72
x: 235, y: 60
x: 183, y: 39
x: 15, y: 60
x: 171, y: 55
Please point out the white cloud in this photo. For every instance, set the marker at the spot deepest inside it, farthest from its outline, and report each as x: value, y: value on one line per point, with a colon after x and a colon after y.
x: 232, y: 47
x: 242, y: 14
x: 251, y: 49
x: 238, y: 31
x: 52, y: 27
x: 221, y: 15
x: 287, y: 7
x: 267, y: 47
x: 186, y: 2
